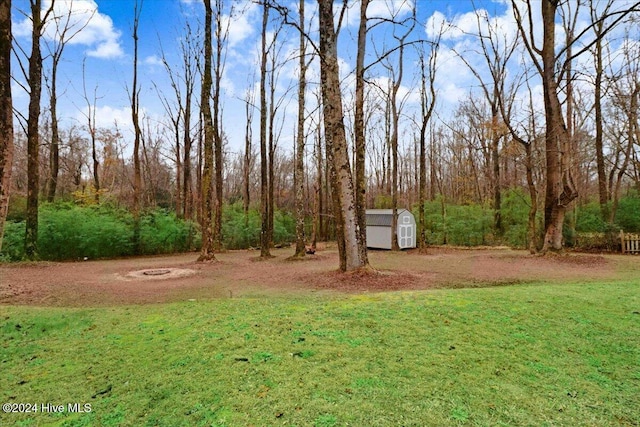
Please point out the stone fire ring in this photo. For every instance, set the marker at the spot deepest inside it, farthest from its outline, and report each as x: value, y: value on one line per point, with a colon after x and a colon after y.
x: 160, y: 273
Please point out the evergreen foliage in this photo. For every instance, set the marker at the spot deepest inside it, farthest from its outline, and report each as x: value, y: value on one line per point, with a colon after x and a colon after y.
x: 74, y: 232
x: 70, y: 231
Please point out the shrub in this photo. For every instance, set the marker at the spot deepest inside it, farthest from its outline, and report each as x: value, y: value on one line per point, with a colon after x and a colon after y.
x: 463, y: 225
x: 162, y: 232
x: 13, y: 241
x: 67, y: 232
x: 627, y: 216
x: 235, y: 233
x: 238, y: 235
x: 515, y: 217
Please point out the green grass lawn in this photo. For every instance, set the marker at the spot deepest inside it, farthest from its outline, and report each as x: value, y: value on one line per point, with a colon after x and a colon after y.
x: 561, y: 355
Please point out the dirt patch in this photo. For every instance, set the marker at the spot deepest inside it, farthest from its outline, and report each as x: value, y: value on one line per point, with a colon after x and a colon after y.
x: 365, y: 281
x: 237, y: 273
x: 157, y: 274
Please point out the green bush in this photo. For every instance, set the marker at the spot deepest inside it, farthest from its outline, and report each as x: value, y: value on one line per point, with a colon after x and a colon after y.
x: 466, y: 225
x: 515, y: 217
x: 284, y: 228
x: 162, y: 232
x: 13, y: 241
x: 69, y: 232
x: 235, y: 233
x: 238, y: 235
x: 589, y: 219
x: 627, y: 214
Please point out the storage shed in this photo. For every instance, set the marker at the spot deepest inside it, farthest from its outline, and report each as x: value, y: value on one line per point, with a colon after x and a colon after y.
x: 379, y: 228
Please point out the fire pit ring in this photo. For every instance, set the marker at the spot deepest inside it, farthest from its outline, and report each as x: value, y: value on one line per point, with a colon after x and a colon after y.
x: 158, y: 272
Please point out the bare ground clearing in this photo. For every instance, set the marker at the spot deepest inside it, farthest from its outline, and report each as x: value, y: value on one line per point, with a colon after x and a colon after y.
x: 241, y: 273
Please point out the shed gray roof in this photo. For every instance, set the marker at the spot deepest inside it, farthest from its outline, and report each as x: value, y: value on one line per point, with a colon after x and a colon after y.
x: 381, y: 217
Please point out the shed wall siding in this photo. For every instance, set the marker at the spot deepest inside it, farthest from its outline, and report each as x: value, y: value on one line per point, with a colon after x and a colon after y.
x: 379, y: 237
x: 379, y: 229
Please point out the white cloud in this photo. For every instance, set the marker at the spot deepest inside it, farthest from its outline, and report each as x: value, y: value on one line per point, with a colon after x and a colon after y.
x: 85, y: 26
x: 153, y: 60
x: 241, y: 24
x: 385, y: 9
x: 107, y: 116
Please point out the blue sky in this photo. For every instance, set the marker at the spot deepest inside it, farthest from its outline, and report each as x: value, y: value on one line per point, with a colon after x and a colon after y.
x: 106, y: 47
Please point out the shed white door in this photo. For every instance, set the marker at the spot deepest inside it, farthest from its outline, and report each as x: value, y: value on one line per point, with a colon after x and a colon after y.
x: 406, y: 236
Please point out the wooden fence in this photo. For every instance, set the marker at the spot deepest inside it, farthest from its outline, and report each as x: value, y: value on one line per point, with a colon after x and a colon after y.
x: 630, y: 243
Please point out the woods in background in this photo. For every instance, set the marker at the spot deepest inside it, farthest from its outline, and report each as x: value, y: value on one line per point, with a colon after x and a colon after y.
x: 551, y: 112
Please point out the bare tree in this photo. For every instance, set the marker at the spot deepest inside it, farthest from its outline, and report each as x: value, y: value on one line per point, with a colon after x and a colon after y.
x: 6, y: 116
x: 526, y: 136
x: 299, y: 171
x: 396, y: 72
x: 496, y: 50
x: 248, y: 155
x: 427, y: 105
x: 33, y: 137
x: 221, y: 35
x: 65, y: 31
x: 135, y: 117
x: 626, y: 98
x: 265, y: 242
x: 341, y: 176
x: 359, y: 133
x: 560, y: 189
x: 207, y: 251
x: 92, y: 129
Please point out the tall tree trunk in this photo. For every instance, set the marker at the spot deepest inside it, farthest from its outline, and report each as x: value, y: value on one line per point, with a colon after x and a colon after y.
x: 217, y: 129
x: 33, y: 137
x: 632, y: 133
x: 271, y: 153
x: 298, y: 177
x: 135, y: 117
x: 336, y: 141
x: 96, y: 164
x: 246, y: 169
x: 533, y: 194
x: 187, y: 192
x: 178, y: 201
x: 603, y: 194
x: 264, y: 185
x: 206, y: 197
x: 560, y: 190
x: 393, y: 142
x: 495, y: 162
x: 6, y: 113
x: 91, y: 127
x: 360, y: 140
x: 427, y: 104
x: 317, y: 232
x: 54, y: 152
